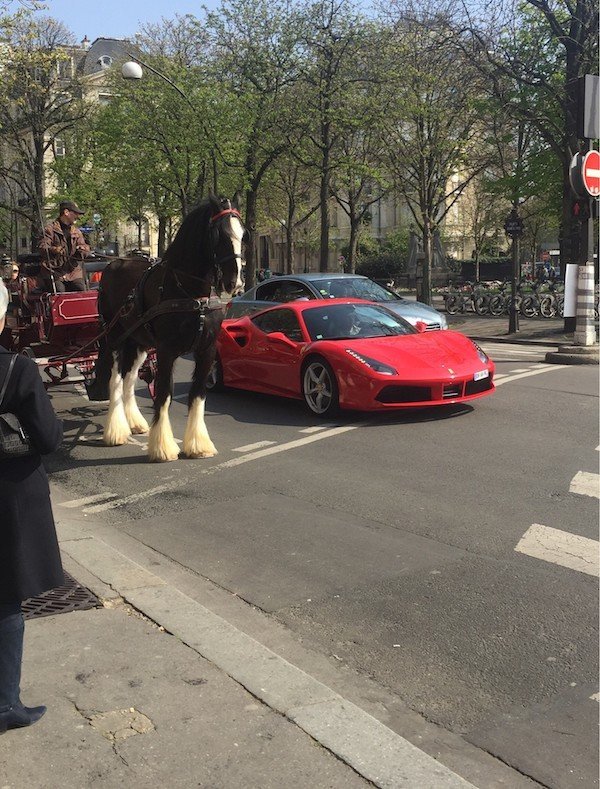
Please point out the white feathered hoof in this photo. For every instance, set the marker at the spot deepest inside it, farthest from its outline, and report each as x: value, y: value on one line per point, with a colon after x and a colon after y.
x: 116, y: 432
x: 139, y: 426
x: 161, y: 448
x: 201, y: 447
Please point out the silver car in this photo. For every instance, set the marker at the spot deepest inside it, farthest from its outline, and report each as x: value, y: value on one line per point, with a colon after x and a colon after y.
x: 277, y: 290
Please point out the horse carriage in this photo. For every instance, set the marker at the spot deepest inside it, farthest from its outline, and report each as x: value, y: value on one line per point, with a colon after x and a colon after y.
x: 60, y: 331
x: 141, y: 319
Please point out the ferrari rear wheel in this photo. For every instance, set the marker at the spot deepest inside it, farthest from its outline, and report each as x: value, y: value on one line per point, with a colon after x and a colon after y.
x: 214, y: 381
x: 320, y: 388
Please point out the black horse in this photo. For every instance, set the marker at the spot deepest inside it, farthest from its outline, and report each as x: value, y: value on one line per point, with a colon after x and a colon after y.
x: 166, y: 307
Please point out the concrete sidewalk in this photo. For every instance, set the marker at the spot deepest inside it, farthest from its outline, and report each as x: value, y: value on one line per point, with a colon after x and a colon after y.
x: 532, y: 331
x: 173, y: 682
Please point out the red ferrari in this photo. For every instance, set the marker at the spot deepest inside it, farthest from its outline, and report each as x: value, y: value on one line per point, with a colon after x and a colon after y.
x: 348, y: 354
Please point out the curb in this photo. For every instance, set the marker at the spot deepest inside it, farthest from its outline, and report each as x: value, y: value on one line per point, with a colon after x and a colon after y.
x: 373, y: 750
x: 574, y: 354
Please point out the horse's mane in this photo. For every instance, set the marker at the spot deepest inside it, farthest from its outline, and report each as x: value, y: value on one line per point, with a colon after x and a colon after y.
x: 192, y: 239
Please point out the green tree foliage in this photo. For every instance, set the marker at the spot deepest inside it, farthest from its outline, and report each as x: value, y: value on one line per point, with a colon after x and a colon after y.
x: 40, y: 101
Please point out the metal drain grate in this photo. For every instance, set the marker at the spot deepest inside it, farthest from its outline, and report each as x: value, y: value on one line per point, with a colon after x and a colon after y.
x: 71, y: 596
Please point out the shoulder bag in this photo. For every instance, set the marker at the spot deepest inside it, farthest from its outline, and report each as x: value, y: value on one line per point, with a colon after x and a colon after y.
x: 14, y: 441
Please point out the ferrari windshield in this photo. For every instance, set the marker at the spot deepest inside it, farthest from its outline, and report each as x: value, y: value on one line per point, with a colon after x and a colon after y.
x: 351, y: 321
x: 352, y: 288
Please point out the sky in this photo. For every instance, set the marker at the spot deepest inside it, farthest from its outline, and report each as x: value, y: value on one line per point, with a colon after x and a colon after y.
x: 117, y: 18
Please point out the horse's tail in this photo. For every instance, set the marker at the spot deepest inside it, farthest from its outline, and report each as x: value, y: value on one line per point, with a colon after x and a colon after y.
x: 98, y: 387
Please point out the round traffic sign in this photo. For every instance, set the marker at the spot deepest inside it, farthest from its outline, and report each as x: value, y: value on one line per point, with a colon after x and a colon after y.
x: 591, y: 173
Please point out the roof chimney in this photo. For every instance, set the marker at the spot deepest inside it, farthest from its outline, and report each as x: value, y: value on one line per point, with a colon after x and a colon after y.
x: 86, y: 43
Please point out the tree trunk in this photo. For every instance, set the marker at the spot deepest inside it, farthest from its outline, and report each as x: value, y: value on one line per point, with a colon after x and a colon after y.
x: 324, y: 243
x: 162, y: 235
x: 425, y: 294
x: 353, y: 245
x: 251, y: 248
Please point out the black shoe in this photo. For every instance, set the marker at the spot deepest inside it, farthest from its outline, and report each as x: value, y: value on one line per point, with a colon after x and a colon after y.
x: 19, y: 716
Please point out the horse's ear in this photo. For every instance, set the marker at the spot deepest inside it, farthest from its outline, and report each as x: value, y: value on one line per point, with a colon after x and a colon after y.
x: 214, y: 202
x: 237, y: 200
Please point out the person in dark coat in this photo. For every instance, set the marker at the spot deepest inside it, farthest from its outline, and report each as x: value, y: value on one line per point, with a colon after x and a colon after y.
x: 63, y: 249
x: 29, y: 555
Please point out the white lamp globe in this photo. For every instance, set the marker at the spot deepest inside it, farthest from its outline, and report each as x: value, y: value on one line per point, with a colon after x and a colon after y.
x: 132, y: 70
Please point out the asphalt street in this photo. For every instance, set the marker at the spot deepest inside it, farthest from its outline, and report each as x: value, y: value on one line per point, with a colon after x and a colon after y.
x: 396, y: 548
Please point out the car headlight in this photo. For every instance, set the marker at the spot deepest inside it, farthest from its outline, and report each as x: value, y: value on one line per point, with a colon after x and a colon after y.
x: 379, y: 367
x: 481, y: 353
x: 443, y: 321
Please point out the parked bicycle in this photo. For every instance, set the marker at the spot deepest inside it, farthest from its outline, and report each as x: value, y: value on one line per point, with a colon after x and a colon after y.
x: 530, y: 305
x: 499, y: 304
x: 553, y: 302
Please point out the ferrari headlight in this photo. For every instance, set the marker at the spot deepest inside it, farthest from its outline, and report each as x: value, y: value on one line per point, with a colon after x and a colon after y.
x: 379, y: 367
x: 481, y: 353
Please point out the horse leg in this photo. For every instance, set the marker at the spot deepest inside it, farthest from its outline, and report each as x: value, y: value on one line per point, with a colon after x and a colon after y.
x: 116, y: 431
x: 135, y: 420
x: 196, y: 441
x: 98, y: 388
x: 161, y: 442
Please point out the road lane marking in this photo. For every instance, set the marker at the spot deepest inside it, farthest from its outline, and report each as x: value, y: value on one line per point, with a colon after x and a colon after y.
x: 250, y: 447
x: 314, y: 428
x: 86, y: 500
x: 299, y: 442
x: 109, y: 505
x: 561, y: 547
x: 595, y: 697
x: 261, y: 453
x: 586, y: 484
x: 542, y: 369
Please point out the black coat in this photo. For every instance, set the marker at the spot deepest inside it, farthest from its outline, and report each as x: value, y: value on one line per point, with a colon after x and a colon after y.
x: 29, y: 555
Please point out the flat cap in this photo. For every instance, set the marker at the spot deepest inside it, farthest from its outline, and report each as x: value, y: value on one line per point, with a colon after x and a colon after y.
x: 69, y: 205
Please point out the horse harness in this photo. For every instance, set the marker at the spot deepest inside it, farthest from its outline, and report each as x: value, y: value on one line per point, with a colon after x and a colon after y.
x: 134, y: 304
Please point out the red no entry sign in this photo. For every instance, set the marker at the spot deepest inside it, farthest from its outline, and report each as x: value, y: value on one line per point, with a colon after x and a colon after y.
x: 591, y: 173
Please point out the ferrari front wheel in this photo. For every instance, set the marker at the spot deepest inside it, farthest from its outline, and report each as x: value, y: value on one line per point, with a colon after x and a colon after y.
x: 319, y: 388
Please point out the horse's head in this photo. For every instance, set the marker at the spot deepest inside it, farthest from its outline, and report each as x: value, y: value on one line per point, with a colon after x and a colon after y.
x: 228, y: 237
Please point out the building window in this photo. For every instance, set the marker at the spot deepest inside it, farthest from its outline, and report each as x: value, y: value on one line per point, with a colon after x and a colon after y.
x: 105, y: 61
x: 59, y: 148
x: 23, y: 242
x: 105, y: 98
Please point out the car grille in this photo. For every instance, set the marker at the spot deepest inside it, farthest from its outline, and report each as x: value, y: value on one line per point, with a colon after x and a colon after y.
x: 404, y: 394
x: 434, y: 327
x: 474, y: 387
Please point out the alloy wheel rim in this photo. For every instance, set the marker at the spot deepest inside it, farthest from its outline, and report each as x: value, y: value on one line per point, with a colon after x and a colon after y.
x: 318, y: 389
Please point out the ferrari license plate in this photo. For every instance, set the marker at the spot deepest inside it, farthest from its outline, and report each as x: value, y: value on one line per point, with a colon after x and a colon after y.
x: 481, y: 374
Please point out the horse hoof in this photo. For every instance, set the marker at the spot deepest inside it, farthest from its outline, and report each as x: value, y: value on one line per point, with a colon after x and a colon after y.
x: 114, y: 441
x: 196, y: 455
x: 162, y: 458
x: 197, y: 449
x: 139, y: 429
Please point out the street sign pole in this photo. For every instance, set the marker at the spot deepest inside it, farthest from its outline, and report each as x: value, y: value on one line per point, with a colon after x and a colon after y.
x: 513, y: 227
x: 585, y: 331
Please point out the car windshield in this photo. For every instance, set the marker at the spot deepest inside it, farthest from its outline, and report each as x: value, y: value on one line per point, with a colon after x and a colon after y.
x: 353, y: 321
x: 353, y: 288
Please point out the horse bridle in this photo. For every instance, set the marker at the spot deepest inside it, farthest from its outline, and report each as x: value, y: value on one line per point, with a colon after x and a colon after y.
x: 217, y: 261
x: 217, y: 217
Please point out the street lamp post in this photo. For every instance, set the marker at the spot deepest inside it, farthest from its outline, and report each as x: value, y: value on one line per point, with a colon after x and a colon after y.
x: 133, y: 70
x: 514, y: 230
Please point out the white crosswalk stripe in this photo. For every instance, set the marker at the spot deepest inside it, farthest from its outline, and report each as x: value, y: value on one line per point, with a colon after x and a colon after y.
x: 561, y: 547
x: 586, y: 484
